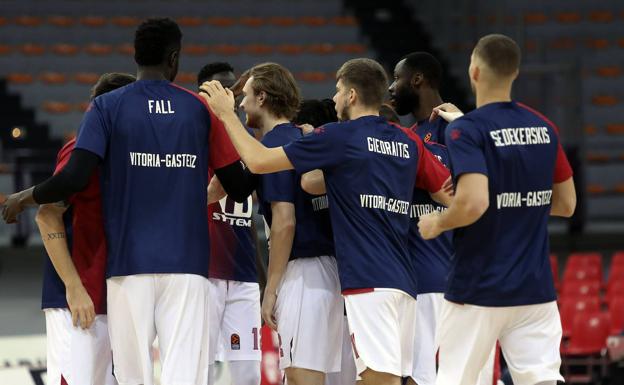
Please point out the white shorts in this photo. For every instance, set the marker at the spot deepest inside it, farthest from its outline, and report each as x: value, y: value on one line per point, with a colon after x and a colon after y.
x: 174, y: 307
x: 235, y: 324
x: 529, y: 337
x: 381, y: 324
x: 81, y: 357
x: 347, y: 374
x: 309, y: 314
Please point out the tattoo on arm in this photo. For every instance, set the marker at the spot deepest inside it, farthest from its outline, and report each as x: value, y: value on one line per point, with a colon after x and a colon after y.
x: 55, y: 236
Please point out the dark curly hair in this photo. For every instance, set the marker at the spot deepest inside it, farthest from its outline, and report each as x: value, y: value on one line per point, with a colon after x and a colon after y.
x: 154, y: 41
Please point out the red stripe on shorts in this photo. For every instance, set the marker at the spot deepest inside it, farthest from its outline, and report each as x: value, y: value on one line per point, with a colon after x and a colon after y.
x: 357, y: 291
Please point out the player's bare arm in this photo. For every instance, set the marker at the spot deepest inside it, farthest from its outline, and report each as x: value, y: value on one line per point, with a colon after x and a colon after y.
x: 313, y: 182
x: 447, y: 111
x: 15, y: 203
x: 49, y: 219
x: 259, y: 159
x: 471, y: 200
x: 563, y: 199
x: 281, y: 239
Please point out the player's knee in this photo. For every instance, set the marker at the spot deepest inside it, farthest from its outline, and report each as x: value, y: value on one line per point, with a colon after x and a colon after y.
x: 245, y: 372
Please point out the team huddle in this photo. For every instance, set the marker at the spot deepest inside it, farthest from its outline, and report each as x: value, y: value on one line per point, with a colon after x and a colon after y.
x: 395, y: 254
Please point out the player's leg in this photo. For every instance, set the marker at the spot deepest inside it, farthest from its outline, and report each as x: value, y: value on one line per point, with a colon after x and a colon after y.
x: 380, y: 338
x: 182, y: 318
x: 310, y: 292
x: 218, y: 293
x: 130, y: 302
x: 466, y: 335
x: 425, y: 347
x: 103, y: 353
x: 530, y: 344
x: 241, y: 332
x: 58, y: 324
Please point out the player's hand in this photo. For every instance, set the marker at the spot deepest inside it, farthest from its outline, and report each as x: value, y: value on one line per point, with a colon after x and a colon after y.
x: 12, y: 207
x: 428, y: 225
x: 80, y: 306
x: 220, y: 100
x: 268, y: 307
x: 447, y: 111
x: 215, y: 190
x: 306, y: 128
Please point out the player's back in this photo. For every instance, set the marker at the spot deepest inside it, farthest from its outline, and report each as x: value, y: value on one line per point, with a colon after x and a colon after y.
x: 155, y: 174
x: 501, y: 260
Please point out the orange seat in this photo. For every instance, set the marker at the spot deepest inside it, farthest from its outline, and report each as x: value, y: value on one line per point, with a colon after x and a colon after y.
x: 346, y: 21
x: 221, y: 21
x: 186, y: 77
x: 125, y: 21
x: 54, y: 107
x: 3, y: 21
x: 615, y: 128
x: 352, y: 48
x: 290, y: 49
x: 313, y: 76
x: 621, y: 42
x: 86, y: 78
x: 61, y: 21
x: 597, y: 43
x: 126, y: 49
x: 65, y: 49
x: 535, y: 18
x: 619, y: 188
x: 31, y: 49
x: 604, y: 100
x: 226, y: 49
x: 321, y: 48
x: 53, y: 78
x: 598, y: 157
x: 568, y: 17
x: 195, y: 49
x: 93, y: 21
x: 590, y: 129
x: 250, y: 21
x: 313, y: 21
x: 283, y: 21
x: 258, y: 49
x: 190, y: 21
x: 601, y: 16
x: 5, y: 49
x: 530, y: 45
x: 596, y: 189
x: 563, y: 43
x: 609, y: 71
x: 82, y: 106
x: 98, y: 49
x: 28, y: 21
x: 20, y: 78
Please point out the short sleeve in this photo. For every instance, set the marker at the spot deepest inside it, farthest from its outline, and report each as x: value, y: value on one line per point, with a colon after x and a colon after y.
x: 222, y: 151
x: 431, y: 173
x: 94, y: 134
x: 563, y: 170
x: 321, y: 149
x: 279, y: 186
x: 465, y: 148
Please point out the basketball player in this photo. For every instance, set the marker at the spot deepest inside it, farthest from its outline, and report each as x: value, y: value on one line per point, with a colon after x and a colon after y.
x: 370, y: 169
x: 74, y: 282
x: 416, y: 90
x: 302, y: 277
x: 510, y: 174
x: 155, y: 142
x: 235, y: 293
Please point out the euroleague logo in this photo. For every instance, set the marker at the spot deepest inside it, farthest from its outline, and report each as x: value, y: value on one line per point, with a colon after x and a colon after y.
x: 235, y: 341
x: 455, y: 133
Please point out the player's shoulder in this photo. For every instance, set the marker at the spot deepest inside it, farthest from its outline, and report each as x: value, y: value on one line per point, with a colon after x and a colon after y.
x: 281, y: 135
x: 532, y: 112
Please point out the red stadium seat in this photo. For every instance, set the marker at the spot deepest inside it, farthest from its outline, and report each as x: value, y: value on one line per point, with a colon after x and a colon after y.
x: 615, y: 128
x: 322, y: 48
x: 126, y: 49
x: 313, y: 76
x: 615, y: 290
x: 226, y: 49
x: 283, y: 21
x: 604, y: 100
x: 65, y: 49
x: 591, y: 129
x: 32, y: 49
x: 3, y: 21
x: 586, y: 346
x: 563, y: 43
x: 616, y: 310
x: 347, y: 21
x: 596, y: 189
x: 290, y: 49
x: 61, y: 21
x: 601, y: 16
x: 5, y: 49
x: 88, y: 78
x: 53, y: 78
x: 352, y: 48
x: 125, y: 21
x: 535, y: 18
x: 252, y: 21
x: 568, y: 17
x: 28, y: 21
x: 190, y: 21
x: 186, y: 78
x: 584, y: 259
x: 195, y: 49
x: 93, y: 21
x: 618, y: 258
x: 609, y: 71
x: 313, y: 21
x: 258, y: 49
x: 221, y: 21
x: 54, y: 107
x: 597, y: 44
x: 581, y: 289
x: 570, y: 307
x: 582, y: 273
x: 82, y: 106
x: 98, y: 49
x: 20, y: 78
x: 596, y: 157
